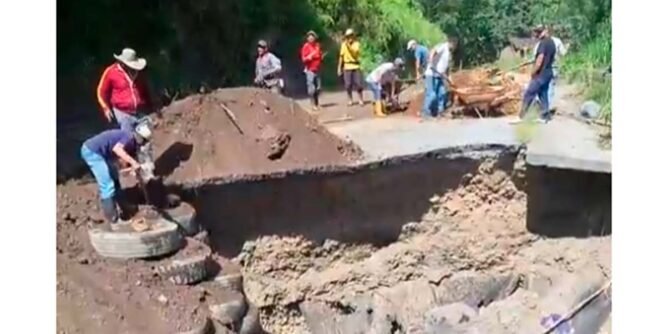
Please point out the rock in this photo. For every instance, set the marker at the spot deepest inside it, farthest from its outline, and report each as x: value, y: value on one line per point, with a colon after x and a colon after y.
x: 590, y: 110
x: 230, y: 312
x: 83, y: 260
x: 278, y: 146
x: 162, y: 299
x: 440, y: 319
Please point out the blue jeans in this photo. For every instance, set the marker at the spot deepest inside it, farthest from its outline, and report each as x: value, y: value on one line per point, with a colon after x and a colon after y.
x: 105, y: 175
x: 550, y: 92
x: 538, y: 87
x: 376, y: 90
x: 435, y: 95
x: 127, y: 121
x: 312, y: 82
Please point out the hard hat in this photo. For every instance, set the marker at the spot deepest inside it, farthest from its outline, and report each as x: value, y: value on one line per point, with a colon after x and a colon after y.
x: 411, y: 44
x: 399, y: 62
x: 143, y: 129
x: 349, y: 32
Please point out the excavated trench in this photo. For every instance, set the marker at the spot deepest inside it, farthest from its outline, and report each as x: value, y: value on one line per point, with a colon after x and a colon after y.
x: 445, y: 240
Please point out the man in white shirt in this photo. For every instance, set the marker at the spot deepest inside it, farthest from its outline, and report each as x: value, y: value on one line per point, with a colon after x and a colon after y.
x: 435, y: 94
x: 561, y: 51
x: 385, y: 74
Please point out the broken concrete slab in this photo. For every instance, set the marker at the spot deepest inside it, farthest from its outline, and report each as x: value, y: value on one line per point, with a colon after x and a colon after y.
x: 562, y: 143
x: 568, y: 144
x: 403, y: 136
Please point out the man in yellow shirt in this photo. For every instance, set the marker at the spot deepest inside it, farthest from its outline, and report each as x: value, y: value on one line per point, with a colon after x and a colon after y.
x: 349, y: 66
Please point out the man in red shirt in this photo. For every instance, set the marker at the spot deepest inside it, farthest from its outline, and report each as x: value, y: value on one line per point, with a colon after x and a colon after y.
x: 312, y: 57
x: 123, y: 93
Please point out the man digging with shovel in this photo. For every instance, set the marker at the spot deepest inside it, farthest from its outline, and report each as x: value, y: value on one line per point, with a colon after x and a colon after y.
x: 102, y: 151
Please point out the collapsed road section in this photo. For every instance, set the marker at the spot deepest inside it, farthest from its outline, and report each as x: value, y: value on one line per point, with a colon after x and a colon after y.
x: 462, y: 240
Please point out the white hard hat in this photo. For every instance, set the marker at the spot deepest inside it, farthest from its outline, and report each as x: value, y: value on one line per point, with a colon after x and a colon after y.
x: 411, y: 44
x: 349, y: 32
x: 143, y: 129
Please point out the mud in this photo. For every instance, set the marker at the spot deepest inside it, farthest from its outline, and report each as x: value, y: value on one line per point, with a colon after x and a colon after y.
x: 341, y: 236
x: 475, y: 221
x: 196, y: 140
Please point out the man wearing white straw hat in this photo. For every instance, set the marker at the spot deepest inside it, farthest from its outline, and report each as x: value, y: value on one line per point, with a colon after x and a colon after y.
x: 122, y: 92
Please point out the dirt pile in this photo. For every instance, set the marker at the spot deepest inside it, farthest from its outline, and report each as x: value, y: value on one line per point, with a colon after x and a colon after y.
x: 478, y: 227
x: 196, y: 139
x: 481, y: 92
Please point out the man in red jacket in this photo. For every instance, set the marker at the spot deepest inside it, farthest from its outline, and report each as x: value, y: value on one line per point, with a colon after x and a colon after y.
x: 312, y: 57
x: 123, y: 93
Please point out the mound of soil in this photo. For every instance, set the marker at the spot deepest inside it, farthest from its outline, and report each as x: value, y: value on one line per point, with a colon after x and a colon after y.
x: 196, y: 139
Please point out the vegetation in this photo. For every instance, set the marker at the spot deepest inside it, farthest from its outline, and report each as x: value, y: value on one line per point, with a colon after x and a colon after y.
x: 190, y: 44
x: 588, y: 66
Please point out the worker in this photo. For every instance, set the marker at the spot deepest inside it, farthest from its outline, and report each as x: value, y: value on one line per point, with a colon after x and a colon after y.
x: 383, y: 75
x: 349, y: 66
x: 100, y: 153
x: 421, y: 55
x: 267, y: 68
x: 561, y: 51
x: 123, y: 92
x: 541, y: 75
x: 311, y: 55
x: 436, y: 77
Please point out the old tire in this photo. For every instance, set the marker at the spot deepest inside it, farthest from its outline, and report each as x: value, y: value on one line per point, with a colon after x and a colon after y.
x: 231, y: 281
x: 231, y: 312
x: 251, y: 322
x: 184, y: 216
x: 204, y: 328
x: 163, y: 239
x: 188, y: 270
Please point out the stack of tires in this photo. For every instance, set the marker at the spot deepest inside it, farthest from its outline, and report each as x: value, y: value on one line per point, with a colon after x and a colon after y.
x: 178, y: 228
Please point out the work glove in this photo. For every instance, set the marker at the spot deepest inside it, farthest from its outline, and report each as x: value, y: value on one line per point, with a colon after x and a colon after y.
x: 146, y: 171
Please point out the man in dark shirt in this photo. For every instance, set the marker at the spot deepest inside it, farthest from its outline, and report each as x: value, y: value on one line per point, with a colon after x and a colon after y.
x: 541, y: 75
x: 100, y: 152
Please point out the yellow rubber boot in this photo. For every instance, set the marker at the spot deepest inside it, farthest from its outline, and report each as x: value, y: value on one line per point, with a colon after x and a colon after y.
x: 378, y: 109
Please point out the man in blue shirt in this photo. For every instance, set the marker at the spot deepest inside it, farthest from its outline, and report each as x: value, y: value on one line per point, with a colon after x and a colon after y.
x: 100, y: 153
x: 541, y: 75
x: 421, y: 55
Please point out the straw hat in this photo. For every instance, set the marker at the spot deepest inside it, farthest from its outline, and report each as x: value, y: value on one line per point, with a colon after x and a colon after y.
x: 312, y: 33
x: 129, y: 58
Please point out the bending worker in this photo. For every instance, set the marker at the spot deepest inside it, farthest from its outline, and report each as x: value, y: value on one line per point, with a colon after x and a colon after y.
x: 421, y: 55
x: 436, y: 76
x: 268, y: 68
x: 102, y: 151
x: 384, y: 75
x: 123, y: 92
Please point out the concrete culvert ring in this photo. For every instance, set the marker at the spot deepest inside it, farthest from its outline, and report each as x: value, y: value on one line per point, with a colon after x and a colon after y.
x: 206, y: 327
x: 184, y: 216
x: 231, y: 312
x: 162, y: 238
x: 231, y: 281
x: 189, y: 266
x: 251, y: 322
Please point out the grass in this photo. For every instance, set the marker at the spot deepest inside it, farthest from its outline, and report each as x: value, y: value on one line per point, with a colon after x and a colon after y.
x: 588, y: 65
